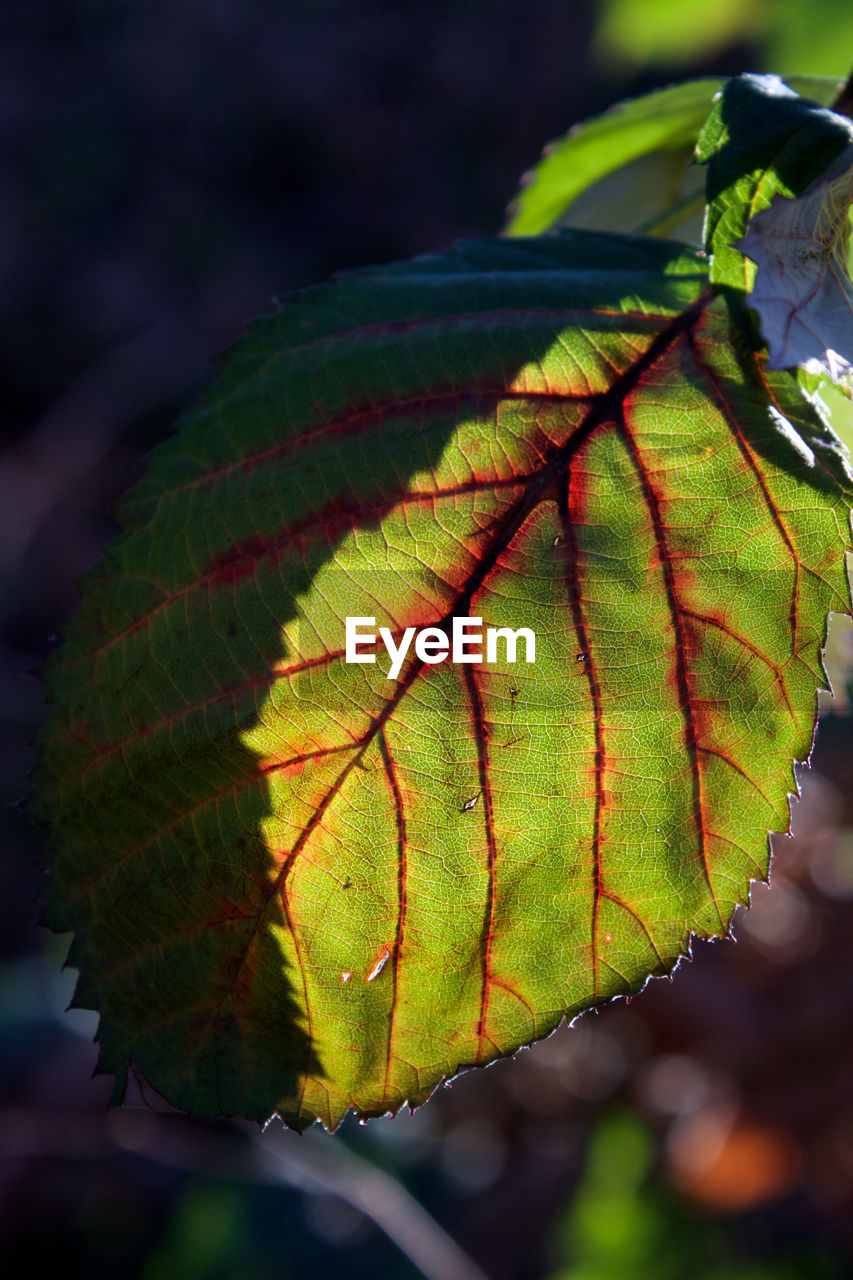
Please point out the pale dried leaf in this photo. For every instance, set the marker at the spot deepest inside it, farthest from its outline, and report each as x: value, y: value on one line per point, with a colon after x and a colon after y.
x: 803, y: 292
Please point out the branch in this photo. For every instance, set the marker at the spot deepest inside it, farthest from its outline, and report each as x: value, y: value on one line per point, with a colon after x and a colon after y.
x: 310, y: 1163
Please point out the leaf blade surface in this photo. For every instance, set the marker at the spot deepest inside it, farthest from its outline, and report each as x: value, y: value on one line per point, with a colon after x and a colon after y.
x: 299, y: 886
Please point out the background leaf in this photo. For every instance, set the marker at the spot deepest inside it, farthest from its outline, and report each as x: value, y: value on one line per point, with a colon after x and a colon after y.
x: 631, y: 168
x: 642, y: 34
x: 297, y: 885
x: 659, y: 129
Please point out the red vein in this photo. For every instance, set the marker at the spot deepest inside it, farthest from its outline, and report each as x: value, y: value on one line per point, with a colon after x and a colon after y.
x: 281, y: 889
x: 817, y: 454
x: 258, y: 775
x: 302, y: 757
x: 481, y: 732
x: 711, y: 621
x: 162, y: 943
x: 574, y: 583
x: 600, y: 405
x: 775, y: 513
x: 400, y: 820
x: 150, y: 732
x: 682, y: 675
x: 424, y: 401
x: 360, y: 416
x: 324, y: 522
x: 508, y: 316
x: 733, y: 764
x: 620, y: 902
x: 267, y: 680
x: 505, y: 985
x: 747, y: 853
x: 279, y: 884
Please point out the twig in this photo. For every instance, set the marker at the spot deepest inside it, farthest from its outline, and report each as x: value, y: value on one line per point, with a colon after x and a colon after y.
x: 336, y: 1169
x: 312, y: 1163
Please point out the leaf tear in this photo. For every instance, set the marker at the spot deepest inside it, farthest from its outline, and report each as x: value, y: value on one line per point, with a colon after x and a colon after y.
x: 379, y: 966
x: 792, y: 435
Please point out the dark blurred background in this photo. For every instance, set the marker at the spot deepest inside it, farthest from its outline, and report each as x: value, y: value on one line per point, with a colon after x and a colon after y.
x: 165, y: 169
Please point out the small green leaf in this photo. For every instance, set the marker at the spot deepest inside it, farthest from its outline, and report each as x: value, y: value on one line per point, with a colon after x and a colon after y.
x: 760, y: 140
x: 643, y: 146
x: 298, y: 885
x: 631, y: 169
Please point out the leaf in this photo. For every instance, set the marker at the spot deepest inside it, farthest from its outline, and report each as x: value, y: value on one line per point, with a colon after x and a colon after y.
x: 816, y: 35
x: 640, y: 33
x: 630, y: 169
x: 761, y: 140
x: 656, y: 131
x: 803, y: 291
x: 300, y: 886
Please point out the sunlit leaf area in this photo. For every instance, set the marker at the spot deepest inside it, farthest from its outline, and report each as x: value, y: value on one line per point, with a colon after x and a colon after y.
x: 165, y: 174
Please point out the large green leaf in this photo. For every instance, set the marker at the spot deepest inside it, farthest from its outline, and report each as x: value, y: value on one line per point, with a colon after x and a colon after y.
x: 299, y: 885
